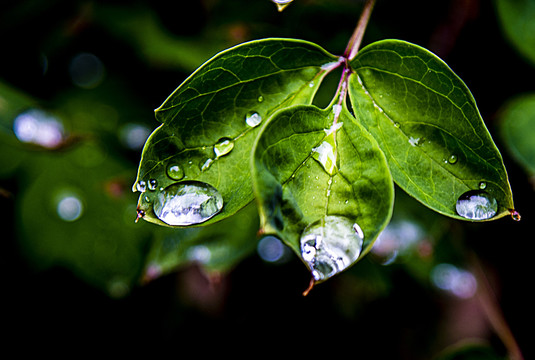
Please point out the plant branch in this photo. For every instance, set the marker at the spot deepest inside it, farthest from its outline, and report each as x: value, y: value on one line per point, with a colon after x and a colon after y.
x: 354, y: 42
x: 491, y: 308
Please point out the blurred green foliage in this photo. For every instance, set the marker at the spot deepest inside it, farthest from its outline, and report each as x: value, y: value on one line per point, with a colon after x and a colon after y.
x: 68, y: 211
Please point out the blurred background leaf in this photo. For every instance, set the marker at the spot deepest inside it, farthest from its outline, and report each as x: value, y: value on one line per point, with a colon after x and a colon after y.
x: 516, y: 18
x: 88, y: 74
x: 518, y: 130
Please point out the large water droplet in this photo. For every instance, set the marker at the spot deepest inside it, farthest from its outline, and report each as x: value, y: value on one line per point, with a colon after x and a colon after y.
x: 476, y: 205
x: 188, y: 203
x: 253, y: 119
x: 223, y: 147
x: 330, y: 245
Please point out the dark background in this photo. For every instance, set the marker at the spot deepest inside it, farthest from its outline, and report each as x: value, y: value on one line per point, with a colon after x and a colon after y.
x: 259, y: 303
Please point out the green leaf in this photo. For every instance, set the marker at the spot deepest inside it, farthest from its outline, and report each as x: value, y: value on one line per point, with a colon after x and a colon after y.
x: 518, y: 129
x: 428, y: 125
x: 517, y: 20
x: 323, y: 186
x: 210, y: 123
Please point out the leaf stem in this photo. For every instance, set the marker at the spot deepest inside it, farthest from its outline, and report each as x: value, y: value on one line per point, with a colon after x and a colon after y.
x: 354, y: 42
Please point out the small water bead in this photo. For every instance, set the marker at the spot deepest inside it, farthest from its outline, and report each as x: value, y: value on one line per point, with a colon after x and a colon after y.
x: 282, y: 4
x: 476, y: 205
x: 188, y: 203
x: 415, y: 141
x: 206, y: 165
x: 325, y: 154
x: 482, y: 185
x: 330, y: 245
x: 515, y: 215
x: 175, y: 172
x: 223, y: 147
x: 140, y: 186
x: 253, y: 119
x: 452, y: 159
x: 260, y: 99
x: 153, y: 184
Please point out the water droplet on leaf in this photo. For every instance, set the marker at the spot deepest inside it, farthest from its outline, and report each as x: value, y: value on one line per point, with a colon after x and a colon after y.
x: 188, y: 203
x: 325, y: 154
x: 415, y: 141
x: 330, y: 245
x: 253, y: 119
x: 476, y: 205
x: 140, y: 186
x: 282, y: 4
x: 223, y: 147
x: 515, y: 215
x: 153, y: 183
x: 452, y: 159
x: 260, y: 98
x: 482, y: 185
x: 206, y: 165
x: 175, y: 172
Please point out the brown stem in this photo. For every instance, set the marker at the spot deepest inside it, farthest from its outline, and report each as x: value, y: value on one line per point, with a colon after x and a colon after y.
x: 354, y: 42
x: 490, y: 306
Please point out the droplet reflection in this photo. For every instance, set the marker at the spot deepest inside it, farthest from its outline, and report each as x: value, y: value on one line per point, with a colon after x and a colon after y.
x: 476, y: 205
x: 282, y: 4
x: 253, y: 119
x: 188, y: 203
x: 330, y: 245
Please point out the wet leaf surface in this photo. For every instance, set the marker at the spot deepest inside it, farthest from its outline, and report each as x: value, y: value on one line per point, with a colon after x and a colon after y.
x: 323, y: 186
x: 210, y: 122
x: 428, y: 125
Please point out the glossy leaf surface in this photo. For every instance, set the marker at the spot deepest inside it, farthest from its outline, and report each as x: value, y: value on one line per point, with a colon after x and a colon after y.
x: 428, y: 125
x: 321, y: 178
x: 210, y: 122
